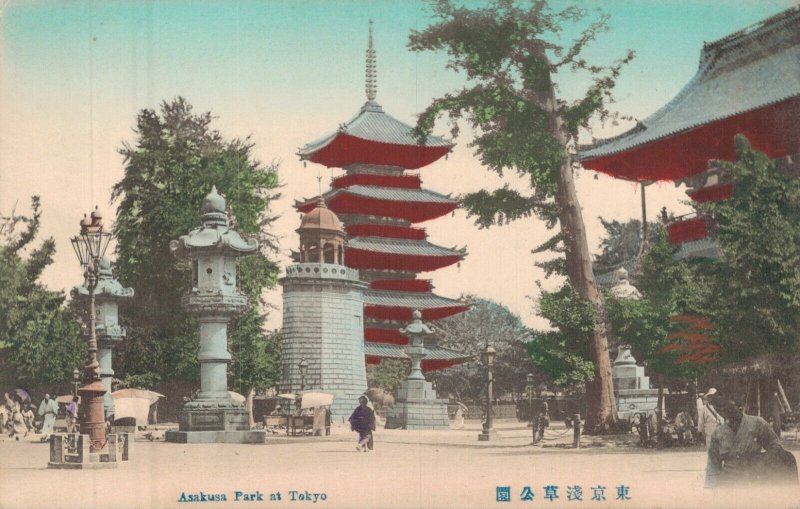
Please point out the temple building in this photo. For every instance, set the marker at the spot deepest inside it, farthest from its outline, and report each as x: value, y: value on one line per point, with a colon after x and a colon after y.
x: 381, y: 201
x: 746, y: 83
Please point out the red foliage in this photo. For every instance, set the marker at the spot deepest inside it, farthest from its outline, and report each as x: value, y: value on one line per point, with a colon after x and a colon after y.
x: 696, y: 346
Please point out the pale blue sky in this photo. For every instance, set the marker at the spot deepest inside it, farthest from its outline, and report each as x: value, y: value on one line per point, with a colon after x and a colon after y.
x: 73, y: 75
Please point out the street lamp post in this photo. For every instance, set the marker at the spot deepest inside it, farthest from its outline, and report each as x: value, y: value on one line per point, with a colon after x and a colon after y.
x: 76, y: 381
x: 90, y: 246
x: 303, y: 365
x: 488, y: 360
x: 529, y: 377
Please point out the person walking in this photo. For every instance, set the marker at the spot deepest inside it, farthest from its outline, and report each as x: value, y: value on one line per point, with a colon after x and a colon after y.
x: 72, y: 415
x: 543, y: 421
x: 363, y: 421
x: 48, y: 409
x: 707, y: 417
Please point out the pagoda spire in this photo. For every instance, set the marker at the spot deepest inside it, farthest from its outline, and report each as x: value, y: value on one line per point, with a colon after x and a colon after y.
x: 372, y: 79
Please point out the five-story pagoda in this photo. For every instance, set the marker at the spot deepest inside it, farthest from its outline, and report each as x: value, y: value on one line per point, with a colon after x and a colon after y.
x: 381, y: 201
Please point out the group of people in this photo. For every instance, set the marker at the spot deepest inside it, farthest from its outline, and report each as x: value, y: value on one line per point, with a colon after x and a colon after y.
x: 18, y: 416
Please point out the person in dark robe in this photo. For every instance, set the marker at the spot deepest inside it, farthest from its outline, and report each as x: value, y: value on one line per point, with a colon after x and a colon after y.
x: 362, y: 421
x: 745, y: 450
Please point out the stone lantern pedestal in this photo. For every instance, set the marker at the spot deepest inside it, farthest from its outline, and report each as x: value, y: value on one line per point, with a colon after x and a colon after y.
x: 417, y: 406
x: 214, y: 249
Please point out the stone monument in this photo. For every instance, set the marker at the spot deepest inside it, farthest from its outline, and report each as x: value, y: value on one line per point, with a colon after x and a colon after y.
x: 417, y: 406
x: 109, y: 332
x: 622, y: 287
x: 323, y: 316
x: 214, y: 250
x: 631, y: 387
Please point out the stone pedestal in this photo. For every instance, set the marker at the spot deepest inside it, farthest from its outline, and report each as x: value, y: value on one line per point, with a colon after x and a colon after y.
x: 417, y: 407
x: 214, y: 420
x: 71, y: 451
x: 631, y: 387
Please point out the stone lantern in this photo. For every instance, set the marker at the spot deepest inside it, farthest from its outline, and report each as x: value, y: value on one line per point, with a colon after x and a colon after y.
x: 417, y: 406
x: 214, y: 250
x: 107, y: 294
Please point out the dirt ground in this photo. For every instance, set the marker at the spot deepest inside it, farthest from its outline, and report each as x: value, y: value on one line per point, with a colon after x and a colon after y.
x: 413, y: 469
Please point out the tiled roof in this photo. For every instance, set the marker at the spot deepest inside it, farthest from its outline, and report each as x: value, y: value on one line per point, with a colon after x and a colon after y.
x: 384, y: 193
x: 398, y: 194
x: 372, y: 123
x: 399, y: 352
x: 401, y: 246
x: 414, y: 300
x: 745, y: 71
x: 703, y: 248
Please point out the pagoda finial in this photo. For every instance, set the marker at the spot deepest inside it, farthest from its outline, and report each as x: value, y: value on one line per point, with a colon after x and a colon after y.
x: 372, y: 80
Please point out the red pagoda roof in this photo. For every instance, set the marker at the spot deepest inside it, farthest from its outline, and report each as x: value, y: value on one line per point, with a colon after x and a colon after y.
x: 747, y: 83
x: 437, y: 357
x: 399, y: 254
x: 373, y: 137
x: 371, y: 179
x: 385, y: 230
x: 414, y: 205
x: 402, y: 285
x: 393, y: 305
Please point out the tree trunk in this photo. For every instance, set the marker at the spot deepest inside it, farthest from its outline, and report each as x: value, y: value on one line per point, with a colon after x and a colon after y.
x: 248, y: 403
x: 600, y: 405
x: 600, y: 392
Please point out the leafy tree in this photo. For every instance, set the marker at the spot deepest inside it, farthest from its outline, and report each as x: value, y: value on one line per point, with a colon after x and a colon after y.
x: 173, y: 164
x: 388, y: 375
x: 756, y: 282
x: 623, y: 242
x: 40, y: 340
x: 468, y: 332
x: 512, y: 59
x: 562, y: 353
x: 657, y: 326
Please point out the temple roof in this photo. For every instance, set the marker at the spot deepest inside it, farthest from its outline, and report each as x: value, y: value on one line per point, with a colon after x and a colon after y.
x: 373, y: 126
x: 382, y: 193
x: 415, y: 300
x: 402, y: 247
x: 748, y: 70
x: 413, y: 205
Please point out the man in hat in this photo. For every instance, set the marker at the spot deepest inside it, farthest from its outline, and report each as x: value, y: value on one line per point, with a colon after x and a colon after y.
x: 363, y: 421
x: 707, y: 417
x: 745, y: 450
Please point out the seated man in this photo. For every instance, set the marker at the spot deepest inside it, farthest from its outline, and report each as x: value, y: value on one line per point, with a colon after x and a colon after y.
x: 735, y: 454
